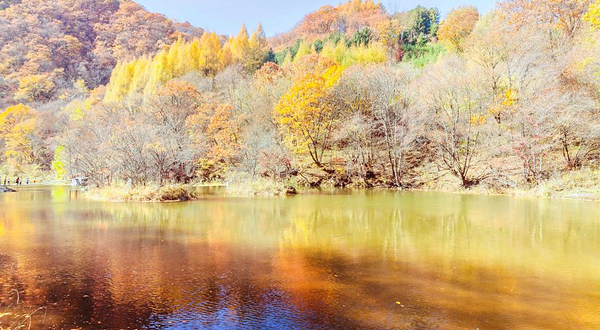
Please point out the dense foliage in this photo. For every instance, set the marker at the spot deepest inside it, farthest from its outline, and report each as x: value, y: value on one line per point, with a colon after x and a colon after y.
x: 361, y: 96
x: 47, y: 46
x: 345, y: 19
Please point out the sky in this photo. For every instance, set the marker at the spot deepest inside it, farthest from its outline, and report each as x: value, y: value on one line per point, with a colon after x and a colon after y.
x: 277, y: 16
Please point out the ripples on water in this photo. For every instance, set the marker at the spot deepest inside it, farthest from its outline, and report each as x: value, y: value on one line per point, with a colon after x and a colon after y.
x: 357, y: 260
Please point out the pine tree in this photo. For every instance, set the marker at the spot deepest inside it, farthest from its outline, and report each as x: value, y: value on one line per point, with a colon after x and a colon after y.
x: 258, y: 50
x: 303, y: 50
x: 288, y: 59
x: 240, y: 45
x: 140, y: 75
x: 210, y: 54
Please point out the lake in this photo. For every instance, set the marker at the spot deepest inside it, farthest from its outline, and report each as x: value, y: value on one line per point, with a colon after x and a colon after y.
x: 329, y: 260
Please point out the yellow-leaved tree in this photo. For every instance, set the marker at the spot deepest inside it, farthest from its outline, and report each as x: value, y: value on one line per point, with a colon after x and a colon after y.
x: 359, y: 54
x: 304, y: 49
x: 120, y: 83
x: 258, y: 50
x: 37, y: 87
x: 305, y: 115
x: 240, y: 44
x: 593, y: 15
x: 17, y: 124
x: 211, y: 54
x: 59, y: 163
x: 145, y: 75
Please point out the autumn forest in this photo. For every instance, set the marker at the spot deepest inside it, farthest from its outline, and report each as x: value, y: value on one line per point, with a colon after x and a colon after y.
x: 371, y: 166
x: 355, y: 95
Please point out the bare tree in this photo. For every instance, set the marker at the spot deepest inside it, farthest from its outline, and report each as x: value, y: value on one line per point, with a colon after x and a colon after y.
x: 356, y: 137
x: 458, y: 108
x: 382, y: 119
x: 395, y: 115
x: 577, y: 128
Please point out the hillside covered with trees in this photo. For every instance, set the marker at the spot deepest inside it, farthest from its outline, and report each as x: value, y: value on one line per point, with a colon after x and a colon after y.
x: 357, y: 95
x: 47, y: 47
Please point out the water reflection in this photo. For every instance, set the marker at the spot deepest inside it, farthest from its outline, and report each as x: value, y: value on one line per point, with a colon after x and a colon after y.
x: 353, y: 260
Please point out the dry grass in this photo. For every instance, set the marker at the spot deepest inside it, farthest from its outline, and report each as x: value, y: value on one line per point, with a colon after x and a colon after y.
x: 171, y: 193
x: 16, y: 317
x: 257, y: 187
x: 243, y: 185
x: 582, y: 184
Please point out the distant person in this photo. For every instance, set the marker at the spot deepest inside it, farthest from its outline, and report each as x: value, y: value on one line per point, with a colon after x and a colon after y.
x: 17, y: 181
x: 27, y: 181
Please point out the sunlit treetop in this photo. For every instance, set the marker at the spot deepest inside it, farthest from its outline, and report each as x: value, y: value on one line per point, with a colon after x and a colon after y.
x: 564, y: 15
x: 457, y: 26
x: 593, y: 15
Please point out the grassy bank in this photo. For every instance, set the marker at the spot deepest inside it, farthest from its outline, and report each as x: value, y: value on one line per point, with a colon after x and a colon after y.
x: 181, y: 193
x: 583, y: 184
x: 171, y: 193
x: 260, y: 187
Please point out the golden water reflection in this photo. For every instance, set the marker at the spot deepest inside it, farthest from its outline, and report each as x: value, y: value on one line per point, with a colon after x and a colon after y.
x: 377, y: 260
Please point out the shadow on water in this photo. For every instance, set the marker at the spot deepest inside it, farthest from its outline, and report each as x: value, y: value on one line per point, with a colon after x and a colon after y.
x: 351, y: 260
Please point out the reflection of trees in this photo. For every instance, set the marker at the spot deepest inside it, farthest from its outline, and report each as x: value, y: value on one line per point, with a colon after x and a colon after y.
x: 310, y: 258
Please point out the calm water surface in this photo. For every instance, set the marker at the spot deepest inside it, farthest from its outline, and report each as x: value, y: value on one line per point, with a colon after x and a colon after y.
x: 350, y: 260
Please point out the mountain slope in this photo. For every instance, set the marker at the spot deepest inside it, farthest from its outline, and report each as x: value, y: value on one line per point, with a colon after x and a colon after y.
x: 344, y: 19
x: 48, y: 45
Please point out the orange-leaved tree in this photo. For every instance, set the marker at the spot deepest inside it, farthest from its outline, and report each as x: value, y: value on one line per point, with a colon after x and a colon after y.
x: 215, y: 129
x: 457, y: 26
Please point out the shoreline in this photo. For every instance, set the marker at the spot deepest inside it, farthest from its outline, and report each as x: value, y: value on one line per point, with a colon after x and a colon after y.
x: 96, y: 194
x: 514, y: 193
x: 253, y: 189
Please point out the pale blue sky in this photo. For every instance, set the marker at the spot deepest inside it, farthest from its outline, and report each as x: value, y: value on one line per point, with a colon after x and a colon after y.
x: 226, y: 16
